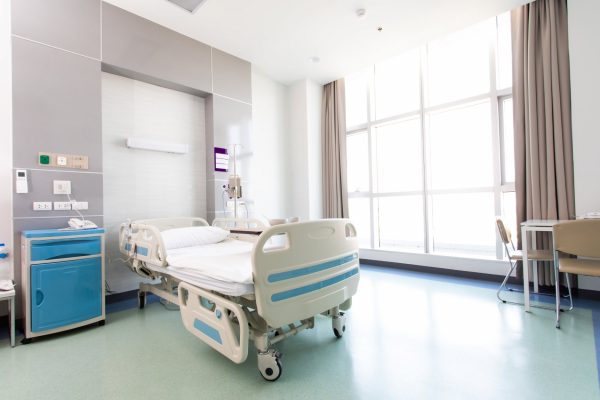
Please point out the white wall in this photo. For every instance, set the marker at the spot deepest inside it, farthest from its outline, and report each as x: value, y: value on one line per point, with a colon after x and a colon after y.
x: 6, y: 185
x: 305, y: 148
x: 314, y: 98
x: 148, y: 184
x: 270, y: 190
x: 584, y: 32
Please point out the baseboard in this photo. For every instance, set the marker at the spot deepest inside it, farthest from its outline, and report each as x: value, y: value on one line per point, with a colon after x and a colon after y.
x: 438, y: 271
x: 579, y: 293
x: 122, y: 296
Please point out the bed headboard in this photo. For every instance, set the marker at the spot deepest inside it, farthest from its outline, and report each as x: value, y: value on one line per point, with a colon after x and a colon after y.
x: 162, y: 224
x: 141, y: 240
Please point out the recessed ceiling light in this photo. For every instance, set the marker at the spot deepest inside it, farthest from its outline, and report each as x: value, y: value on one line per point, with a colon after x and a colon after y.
x: 314, y: 59
x: 361, y: 13
x: 190, y: 5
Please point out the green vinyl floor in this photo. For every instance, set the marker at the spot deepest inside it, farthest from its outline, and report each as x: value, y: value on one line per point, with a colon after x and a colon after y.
x: 409, y: 336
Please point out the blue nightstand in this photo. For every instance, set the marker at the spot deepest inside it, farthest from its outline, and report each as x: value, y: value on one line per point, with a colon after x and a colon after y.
x: 63, y: 279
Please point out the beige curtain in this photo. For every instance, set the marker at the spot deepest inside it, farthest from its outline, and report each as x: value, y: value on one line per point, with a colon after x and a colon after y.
x: 333, y: 131
x: 542, y: 116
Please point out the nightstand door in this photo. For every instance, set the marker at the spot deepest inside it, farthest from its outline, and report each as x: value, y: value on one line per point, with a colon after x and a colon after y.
x: 65, y: 293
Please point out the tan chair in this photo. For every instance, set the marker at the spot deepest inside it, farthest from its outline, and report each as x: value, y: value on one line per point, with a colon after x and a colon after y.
x: 515, y: 255
x: 579, y: 238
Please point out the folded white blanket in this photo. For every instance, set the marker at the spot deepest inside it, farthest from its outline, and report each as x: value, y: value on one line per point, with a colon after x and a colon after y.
x: 228, y: 261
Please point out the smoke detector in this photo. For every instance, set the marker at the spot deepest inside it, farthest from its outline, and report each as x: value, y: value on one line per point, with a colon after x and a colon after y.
x: 361, y: 13
x: 189, y: 5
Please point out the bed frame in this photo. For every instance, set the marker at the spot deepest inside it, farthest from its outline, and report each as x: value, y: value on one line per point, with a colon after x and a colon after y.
x: 313, y: 270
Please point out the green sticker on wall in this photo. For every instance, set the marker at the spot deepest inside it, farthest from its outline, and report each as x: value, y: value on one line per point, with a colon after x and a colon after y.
x: 44, y: 159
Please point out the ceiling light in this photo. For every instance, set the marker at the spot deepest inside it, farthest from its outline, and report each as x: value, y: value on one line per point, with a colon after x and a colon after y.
x: 190, y: 5
x: 314, y: 59
x: 361, y: 13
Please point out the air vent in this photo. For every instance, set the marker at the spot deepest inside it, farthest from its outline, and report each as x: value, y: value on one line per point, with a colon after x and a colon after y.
x: 190, y: 5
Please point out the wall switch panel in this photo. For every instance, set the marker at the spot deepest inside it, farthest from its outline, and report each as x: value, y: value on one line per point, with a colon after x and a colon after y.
x: 62, y: 187
x: 47, y: 159
x: 79, y: 205
x: 62, y: 205
x: 42, y: 206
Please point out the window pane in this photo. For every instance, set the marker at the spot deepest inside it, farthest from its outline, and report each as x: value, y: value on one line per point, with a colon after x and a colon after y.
x: 464, y: 224
x: 504, y: 57
x: 509, y: 213
x: 356, y: 99
x: 397, y: 87
x: 508, y: 141
x: 399, y: 157
x: 401, y: 223
x: 357, y: 148
x: 360, y: 215
x: 461, y: 153
x: 458, y: 65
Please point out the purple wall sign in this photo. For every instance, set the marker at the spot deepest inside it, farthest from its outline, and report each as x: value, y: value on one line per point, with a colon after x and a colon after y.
x: 221, y: 159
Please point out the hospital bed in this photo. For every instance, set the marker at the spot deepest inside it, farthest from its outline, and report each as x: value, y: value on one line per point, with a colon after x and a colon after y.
x: 261, y: 284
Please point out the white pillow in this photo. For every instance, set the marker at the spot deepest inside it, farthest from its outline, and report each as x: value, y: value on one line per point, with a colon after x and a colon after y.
x: 193, y: 236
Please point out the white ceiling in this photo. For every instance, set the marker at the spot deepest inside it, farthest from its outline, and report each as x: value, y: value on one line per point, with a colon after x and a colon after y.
x: 279, y: 36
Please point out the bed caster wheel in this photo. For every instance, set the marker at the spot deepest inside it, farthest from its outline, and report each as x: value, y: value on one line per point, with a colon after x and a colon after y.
x: 102, y: 323
x: 269, y: 365
x: 26, y: 340
x: 141, y: 300
x: 338, y: 323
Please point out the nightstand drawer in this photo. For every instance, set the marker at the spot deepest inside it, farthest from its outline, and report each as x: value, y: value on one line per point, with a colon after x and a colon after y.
x: 42, y: 250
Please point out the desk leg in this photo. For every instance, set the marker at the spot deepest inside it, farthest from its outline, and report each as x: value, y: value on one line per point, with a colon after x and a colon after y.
x: 12, y: 321
x: 525, y: 269
x: 534, y: 264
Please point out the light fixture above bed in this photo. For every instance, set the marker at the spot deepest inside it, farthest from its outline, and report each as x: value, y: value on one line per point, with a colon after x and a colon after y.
x: 157, y: 145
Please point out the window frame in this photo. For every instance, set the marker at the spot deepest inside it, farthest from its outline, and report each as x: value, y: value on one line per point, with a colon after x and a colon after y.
x: 495, y: 97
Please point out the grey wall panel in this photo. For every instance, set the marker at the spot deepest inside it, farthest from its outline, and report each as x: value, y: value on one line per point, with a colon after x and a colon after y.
x: 56, y: 104
x: 84, y: 187
x: 231, y: 76
x: 72, y: 25
x: 136, y: 44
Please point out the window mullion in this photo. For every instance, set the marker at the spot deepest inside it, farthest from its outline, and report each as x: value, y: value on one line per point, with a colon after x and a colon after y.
x: 424, y: 166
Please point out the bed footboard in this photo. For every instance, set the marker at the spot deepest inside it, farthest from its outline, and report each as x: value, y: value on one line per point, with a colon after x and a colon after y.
x: 209, y: 318
x: 316, y: 271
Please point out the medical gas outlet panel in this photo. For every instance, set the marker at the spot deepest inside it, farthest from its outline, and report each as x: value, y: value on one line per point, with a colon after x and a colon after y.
x: 63, y: 280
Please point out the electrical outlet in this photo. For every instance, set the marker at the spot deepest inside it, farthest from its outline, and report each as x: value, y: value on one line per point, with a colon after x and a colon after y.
x: 62, y: 161
x: 42, y: 206
x: 62, y: 187
x: 62, y: 205
x: 79, y: 205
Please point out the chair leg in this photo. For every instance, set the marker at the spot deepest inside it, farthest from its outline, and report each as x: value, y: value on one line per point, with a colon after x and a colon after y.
x: 557, y: 287
x: 503, y: 284
x: 568, y: 278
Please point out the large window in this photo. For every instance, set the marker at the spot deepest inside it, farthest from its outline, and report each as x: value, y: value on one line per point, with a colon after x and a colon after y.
x: 430, y: 145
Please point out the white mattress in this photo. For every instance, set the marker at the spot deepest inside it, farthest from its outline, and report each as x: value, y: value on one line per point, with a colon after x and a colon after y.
x: 225, y: 267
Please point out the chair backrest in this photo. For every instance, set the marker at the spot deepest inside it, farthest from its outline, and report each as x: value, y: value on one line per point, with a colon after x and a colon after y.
x: 504, y: 232
x: 580, y: 237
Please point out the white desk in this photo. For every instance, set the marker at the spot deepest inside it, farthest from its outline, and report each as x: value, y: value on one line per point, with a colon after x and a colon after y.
x: 532, y: 226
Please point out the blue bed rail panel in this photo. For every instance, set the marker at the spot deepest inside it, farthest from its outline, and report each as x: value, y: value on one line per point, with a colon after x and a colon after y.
x: 64, y: 293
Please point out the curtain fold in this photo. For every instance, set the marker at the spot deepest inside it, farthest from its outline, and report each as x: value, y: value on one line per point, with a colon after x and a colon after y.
x: 542, y: 117
x: 333, y: 131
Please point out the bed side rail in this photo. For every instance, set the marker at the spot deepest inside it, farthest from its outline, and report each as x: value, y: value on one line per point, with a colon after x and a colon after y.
x: 210, y: 319
x: 316, y: 270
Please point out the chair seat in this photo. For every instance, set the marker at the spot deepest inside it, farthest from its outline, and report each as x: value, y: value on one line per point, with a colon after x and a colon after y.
x: 579, y: 266
x: 537, y: 255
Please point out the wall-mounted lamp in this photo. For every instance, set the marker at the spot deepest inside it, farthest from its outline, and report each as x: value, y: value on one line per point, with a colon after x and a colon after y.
x: 157, y: 145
